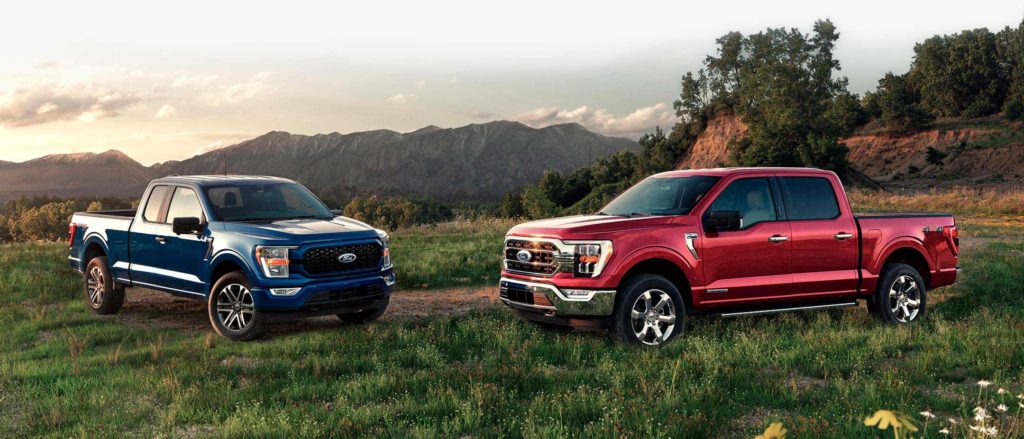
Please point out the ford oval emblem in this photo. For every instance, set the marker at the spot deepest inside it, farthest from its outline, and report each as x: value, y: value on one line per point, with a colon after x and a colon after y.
x: 346, y: 258
x: 524, y: 256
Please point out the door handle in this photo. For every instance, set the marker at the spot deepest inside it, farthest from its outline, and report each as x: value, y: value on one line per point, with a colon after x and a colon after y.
x: 161, y: 239
x: 778, y: 238
x: 843, y: 235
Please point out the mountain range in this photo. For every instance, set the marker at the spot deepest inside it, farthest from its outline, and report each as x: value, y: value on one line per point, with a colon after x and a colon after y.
x: 477, y: 161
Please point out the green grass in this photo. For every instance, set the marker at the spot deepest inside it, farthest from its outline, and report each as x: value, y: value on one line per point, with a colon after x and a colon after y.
x: 66, y: 372
x: 449, y: 255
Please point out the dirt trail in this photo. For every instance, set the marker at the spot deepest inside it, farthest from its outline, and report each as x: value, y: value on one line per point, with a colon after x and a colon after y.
x: 145, y: 307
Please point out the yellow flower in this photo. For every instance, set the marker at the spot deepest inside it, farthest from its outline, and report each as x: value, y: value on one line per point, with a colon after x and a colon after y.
x: 774, y: 431
x: 884, y: 418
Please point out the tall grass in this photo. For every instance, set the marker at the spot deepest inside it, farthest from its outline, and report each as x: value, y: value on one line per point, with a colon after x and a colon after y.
x: 958, y: 200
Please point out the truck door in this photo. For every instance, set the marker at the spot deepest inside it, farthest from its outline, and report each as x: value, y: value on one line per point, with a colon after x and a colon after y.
x: 752, y: 262
x: 824, y: 237
x: 167, y: 261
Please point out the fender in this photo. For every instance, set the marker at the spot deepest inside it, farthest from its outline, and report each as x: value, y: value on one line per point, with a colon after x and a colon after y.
x: 899, y: 243
x: 656, y: 252
x: 92, y: 237
x: 227, y: 255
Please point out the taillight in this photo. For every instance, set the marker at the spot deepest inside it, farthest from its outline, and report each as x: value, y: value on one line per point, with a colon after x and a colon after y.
x: 72, y: 229
x: 953, y: 236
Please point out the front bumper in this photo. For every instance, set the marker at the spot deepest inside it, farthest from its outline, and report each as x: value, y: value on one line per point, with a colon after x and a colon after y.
x: 551, y: 301
x: 328, y: 296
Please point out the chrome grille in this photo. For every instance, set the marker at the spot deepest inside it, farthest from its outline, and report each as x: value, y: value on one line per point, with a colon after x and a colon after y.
x: 544, y: 257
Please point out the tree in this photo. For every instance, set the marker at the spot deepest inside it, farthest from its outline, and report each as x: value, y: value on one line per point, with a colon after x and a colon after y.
x: 511, y: 206
x: 537, y: 204
x: 898, y: 104
x: 960, y: 74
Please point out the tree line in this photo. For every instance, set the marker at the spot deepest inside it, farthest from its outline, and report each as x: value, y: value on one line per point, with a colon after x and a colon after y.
x: 784, y: 85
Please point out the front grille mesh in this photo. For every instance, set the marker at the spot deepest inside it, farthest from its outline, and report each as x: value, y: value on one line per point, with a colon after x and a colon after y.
x: 517, y: 294
x: 544, y: 257
x: 323, y: 260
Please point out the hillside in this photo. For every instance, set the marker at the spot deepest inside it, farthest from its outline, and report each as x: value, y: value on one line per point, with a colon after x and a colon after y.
x: 110, y: 173
x: 478, y: 161
x: 984, y: 151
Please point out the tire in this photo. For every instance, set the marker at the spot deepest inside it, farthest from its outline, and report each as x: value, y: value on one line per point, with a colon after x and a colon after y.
x: 649, y: 311
x: 901, y: 296
x: 231, y: 308
x: 367, y: 315
x: 101, y: 293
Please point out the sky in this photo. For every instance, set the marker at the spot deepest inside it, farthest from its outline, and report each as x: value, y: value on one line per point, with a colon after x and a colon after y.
x: 169, y: 80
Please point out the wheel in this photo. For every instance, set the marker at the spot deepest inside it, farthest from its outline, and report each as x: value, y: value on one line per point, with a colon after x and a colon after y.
x: 101, y: 294
x: 901, y: 296
x: 367, y: 315
x: 649, y: 310
x: 232, y: 309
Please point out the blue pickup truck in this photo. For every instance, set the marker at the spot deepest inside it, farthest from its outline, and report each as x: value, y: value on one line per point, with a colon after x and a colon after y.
x: 256, y: 249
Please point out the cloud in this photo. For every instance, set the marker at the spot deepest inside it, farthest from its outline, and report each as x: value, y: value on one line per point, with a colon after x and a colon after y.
x: 166, y: 110
x: 47, y: 65
x: 421, y: 83
x: 600, y: 120
x: 39, y: 104
x: 485, y: 115
x: 401, y: 98
x: 194, y: 81
x: 242, y: 91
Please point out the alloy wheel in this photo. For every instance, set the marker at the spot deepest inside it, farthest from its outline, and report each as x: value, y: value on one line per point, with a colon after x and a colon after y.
x: 904, y: 298
x: 653, y: 317
x: 94, y: 285
x: 235, y: 308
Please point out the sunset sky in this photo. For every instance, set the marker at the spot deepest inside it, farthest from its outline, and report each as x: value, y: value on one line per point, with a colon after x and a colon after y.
x: 166, y: 82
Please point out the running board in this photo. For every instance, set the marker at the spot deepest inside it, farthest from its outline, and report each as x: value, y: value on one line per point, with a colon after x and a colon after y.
x: 795, y: 308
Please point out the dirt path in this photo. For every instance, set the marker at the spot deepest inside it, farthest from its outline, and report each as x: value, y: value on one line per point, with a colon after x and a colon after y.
x: 145, y: 307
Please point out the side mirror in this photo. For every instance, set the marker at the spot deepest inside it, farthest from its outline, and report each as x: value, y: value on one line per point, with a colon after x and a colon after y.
x: 187, y: 225
x: 722, y: 221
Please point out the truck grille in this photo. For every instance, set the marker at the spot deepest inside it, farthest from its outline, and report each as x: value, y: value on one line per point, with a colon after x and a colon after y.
x: 336, y: 297
x: 322, y: 260
x: 544, y: 258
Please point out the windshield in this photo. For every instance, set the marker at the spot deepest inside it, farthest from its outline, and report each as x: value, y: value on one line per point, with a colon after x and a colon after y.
x: 265, y: 202
x: 661, y: 196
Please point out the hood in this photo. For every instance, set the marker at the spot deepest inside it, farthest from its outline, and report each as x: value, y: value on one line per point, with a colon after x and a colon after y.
x: 590, y: 224
x: 308, y: 229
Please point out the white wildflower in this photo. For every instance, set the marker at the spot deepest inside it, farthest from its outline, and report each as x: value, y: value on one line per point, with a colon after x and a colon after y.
x: 988, y: 431
x: 952, y: 421
x: 1001, y: 391
x: 980, y: 414
x: 984, y: 383
x: 928, y: 414
x: 1001, y: 408
x: 944, y: 431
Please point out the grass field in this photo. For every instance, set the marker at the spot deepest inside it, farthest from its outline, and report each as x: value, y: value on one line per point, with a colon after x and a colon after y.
x: 66, y: 372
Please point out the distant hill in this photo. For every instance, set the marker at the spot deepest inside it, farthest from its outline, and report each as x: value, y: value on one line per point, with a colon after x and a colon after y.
x: 478, y: 161
x: 985, y: 151
x: 111, y: 173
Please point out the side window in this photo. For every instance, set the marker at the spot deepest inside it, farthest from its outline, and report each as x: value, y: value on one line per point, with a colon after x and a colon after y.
x: 184, y: 204
x: 751, y: 197
x: 810, y: 198
x: 154, y: 204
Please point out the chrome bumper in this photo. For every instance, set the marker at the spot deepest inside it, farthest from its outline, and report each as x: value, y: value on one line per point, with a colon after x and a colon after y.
x: 550, y: 300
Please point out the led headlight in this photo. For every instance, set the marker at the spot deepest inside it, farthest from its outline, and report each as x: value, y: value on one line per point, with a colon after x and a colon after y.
x: 273, y: 260
x: 590, y: 257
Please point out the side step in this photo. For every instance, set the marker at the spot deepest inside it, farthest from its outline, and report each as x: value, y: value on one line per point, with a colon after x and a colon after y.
x: 795, y: 308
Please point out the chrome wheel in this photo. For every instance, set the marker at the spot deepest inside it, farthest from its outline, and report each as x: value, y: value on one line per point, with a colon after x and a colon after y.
x: 653, y: 317
x: 235, y: 308
x: 904, y: 299
x: 94, y: 285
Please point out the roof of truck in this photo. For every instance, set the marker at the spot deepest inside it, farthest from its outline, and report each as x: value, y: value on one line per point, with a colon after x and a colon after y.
x: 721, y: 172
x: 213, y: 180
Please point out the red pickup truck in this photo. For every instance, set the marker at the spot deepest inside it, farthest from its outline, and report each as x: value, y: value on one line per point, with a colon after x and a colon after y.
x: 731, y: 242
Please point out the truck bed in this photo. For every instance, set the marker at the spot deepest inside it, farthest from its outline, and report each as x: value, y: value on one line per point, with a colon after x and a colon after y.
x: 874, y: 215
x: 114, y: 214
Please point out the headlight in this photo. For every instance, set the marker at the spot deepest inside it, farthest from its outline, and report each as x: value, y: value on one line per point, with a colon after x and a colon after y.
x: 590, y: 257
x: 273, y: 260
x: 385, y: 250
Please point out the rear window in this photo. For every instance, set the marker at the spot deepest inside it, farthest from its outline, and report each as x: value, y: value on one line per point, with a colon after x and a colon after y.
x: 154, y: 204
x: 810, y: 198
